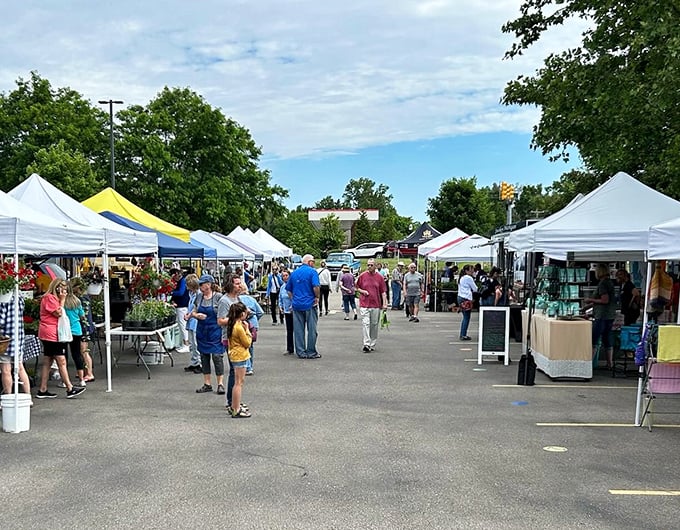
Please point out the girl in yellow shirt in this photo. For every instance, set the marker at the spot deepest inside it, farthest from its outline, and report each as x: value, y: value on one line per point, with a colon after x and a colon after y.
x: 240, y: 340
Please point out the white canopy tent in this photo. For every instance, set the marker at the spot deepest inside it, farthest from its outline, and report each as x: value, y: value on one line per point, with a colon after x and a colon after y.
x: 270, y: 239
x: 37, y: 193
x: 224, y: 248
x: 118, y: 240
x: 447, y: 238
x: 664, y: 240
x: 24, y: 230
x: 472, y: 248
x: 610, y: 223
x: 250, y: 242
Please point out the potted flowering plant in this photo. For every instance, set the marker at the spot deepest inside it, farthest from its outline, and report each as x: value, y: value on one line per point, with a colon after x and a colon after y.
x: 147, y: 283
x: 10, y: 278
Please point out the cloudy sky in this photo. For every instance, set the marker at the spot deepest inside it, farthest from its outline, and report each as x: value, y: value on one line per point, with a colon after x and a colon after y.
x: 403, y: 92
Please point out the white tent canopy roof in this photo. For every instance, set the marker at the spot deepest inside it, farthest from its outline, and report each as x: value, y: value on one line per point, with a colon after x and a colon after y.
x: 664, y: 240
x: 271, y: 240
x: 239, y: 235
x: 37, y: 193
x: 473, y: 248
x: 447, y: 238
x: 224, y: 248
x: 610, y: 223
x: 24, y: 230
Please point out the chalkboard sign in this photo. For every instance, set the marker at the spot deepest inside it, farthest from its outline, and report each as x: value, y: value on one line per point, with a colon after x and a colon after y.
x: 494, y: 332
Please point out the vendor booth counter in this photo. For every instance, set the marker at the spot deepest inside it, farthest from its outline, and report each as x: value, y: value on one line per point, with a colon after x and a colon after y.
x: 561, y: 348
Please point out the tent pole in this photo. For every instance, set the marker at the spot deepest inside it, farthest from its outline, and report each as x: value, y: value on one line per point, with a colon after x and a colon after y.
x: 107, y: 318
x: 641, y: 369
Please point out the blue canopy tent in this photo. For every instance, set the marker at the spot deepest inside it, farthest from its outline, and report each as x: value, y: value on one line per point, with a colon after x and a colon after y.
x: 168, y: 246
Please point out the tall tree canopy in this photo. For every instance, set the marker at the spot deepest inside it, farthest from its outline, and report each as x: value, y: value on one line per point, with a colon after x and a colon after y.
x: 615, y: 96
x: 363, y: 194
x: 183, y: 160
x: 54, y: 132
x: 460, y: 204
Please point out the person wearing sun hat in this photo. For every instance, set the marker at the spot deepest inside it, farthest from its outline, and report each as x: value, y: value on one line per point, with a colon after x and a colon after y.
x: 397, y: 280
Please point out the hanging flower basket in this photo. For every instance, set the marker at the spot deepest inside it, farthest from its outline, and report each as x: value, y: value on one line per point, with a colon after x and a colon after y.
x: 94, y: 289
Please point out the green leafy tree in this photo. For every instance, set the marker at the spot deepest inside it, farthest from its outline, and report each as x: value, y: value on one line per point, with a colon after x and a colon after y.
x: 363, y: 194
x: 362, y: 231
x: 67, y: 169
x: 387, y: 230
x: 614, y: 97
x: 460, y: 204
x: 47, y: 130
x: 331, y: 235
x: 327, y: 203
x: 186, y: 162
x: 295, y: 231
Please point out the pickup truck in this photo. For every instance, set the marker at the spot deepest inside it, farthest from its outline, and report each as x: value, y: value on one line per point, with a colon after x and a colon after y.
x: 336, y: 260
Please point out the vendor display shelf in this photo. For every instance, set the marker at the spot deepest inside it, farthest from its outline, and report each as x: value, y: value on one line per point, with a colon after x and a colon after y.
x: 661, y: 373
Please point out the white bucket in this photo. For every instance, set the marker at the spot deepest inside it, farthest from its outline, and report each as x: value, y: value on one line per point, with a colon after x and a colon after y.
x: 16, y: 417
x: 153, y: 352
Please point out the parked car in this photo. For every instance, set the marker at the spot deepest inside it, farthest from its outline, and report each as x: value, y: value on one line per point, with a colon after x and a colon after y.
x: 335, y: 261
x: 295, y: 261
x: 367, y: 250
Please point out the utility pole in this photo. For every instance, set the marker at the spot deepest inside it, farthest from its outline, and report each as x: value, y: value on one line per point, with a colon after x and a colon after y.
x: 111, y: 103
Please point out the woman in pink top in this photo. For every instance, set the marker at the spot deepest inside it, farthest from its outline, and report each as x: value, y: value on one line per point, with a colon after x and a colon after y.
x: 51, y: 308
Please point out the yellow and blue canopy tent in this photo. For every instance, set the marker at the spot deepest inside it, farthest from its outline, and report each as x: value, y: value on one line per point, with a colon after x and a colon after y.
x: 109, y: 200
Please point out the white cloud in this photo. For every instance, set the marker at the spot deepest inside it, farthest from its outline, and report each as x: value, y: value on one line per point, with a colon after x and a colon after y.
x: 306, y: 77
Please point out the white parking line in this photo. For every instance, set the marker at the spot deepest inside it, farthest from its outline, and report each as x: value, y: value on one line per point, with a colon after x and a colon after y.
x: 670, y: 493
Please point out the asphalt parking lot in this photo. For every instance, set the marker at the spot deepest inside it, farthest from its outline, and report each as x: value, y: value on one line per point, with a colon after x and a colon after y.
x: 413, y: 435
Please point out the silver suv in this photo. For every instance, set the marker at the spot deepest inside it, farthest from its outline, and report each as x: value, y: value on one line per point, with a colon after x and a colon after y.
x: 367, y: 250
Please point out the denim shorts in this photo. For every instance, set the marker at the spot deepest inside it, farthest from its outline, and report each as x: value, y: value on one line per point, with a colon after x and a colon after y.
x: 239, y: 364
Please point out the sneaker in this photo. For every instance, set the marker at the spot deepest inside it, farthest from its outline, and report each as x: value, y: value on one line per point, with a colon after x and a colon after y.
x: 220, y: 390
x: 249, y: 372
x: 366, y: 349
x: 204, y: 389
x: 182, y: 349
x: 355, y: 317
x: 45, y: 395
x: 61, y: 384
x: 82, y: 383
x: 416, y: 319
x: 275, y: 324
x: 411, y: 318
x: 346, y: 318
x: 198, y: 370
x: 75, y: 391
x: 465, y: 338
x: 191, y: 368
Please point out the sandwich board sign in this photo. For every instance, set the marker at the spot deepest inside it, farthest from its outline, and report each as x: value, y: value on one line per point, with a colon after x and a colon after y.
x: 494, y: 333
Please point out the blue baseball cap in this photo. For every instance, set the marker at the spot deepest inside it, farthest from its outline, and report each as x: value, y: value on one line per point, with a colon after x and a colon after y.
x: 206, y: 278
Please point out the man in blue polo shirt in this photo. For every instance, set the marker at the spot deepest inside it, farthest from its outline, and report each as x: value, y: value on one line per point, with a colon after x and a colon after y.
x: 303, y: 289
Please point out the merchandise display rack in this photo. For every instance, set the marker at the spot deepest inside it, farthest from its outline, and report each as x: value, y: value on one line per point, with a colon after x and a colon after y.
x: 660, y: 380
